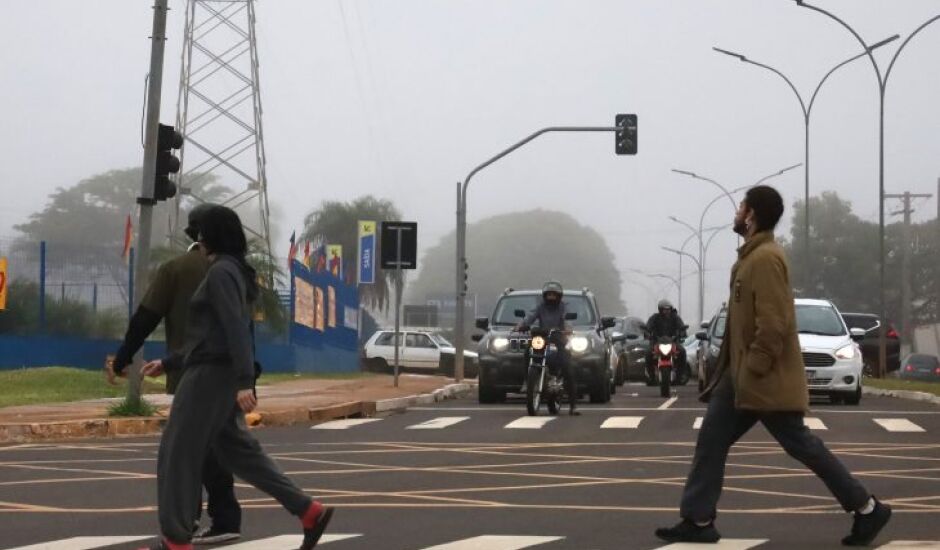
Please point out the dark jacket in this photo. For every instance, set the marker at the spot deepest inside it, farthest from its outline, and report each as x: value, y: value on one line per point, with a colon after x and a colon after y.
x: 219, y: 325
x: 548, y: 317
x: 665, y: 325
x: 761, y: 349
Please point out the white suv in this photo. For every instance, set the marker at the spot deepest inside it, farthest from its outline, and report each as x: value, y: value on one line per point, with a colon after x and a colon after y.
x: 422, y: 349
x: 831, y: 353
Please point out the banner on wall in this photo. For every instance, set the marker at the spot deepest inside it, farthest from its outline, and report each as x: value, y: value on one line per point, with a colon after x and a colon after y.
x: 334, y: 259
x: 366, y: 252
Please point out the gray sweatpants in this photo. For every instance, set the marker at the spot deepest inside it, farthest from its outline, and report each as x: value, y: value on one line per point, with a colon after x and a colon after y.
x: 206, y: 416
x: 724, y: 425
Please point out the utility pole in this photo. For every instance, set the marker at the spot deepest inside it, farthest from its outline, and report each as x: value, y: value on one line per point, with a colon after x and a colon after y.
x: 907, y: 328
x: 146, y: 200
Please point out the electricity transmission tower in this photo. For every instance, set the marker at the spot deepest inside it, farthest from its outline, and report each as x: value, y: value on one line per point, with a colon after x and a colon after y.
x: 219, y: 113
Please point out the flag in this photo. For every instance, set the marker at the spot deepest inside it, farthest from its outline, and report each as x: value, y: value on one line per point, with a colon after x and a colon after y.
x: 293, y: 250
x: 336, y: 260
x: 307, y: 254
x: 128, y: 236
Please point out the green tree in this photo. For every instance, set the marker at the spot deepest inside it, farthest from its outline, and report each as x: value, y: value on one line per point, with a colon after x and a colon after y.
x: 338, y: 223
x: 523, y: 250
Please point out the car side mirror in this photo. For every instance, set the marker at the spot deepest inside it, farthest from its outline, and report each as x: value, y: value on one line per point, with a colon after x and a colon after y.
x: 483, y: 323
x: 706, y: 324
x: 618, y: 337
x: 571, y: 316
x: 631, y: 336
x: 520, y: 313
x: 857, y: 334
x: 701, y: 336
x: 608, y: 322
x: 476, y: 337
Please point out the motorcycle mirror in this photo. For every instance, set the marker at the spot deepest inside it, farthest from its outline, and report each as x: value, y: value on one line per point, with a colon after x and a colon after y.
x: 571, y: 316
x: 702, y: 336
x: 520, y: 313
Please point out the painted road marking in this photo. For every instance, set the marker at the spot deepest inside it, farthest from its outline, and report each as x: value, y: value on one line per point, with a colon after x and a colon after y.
x: 494, y: 542
x: 529, y: 423
x: 668, y: 403
x: 898, y: 425
x: 439, y: 423
x: 911, y: 545
x: 697, y: 425
x: 285, y: 542
x: 344, y: 424
x: 723, y: 544
x: 80, y: 543
x: 628, y: 422
x: 814, y: 423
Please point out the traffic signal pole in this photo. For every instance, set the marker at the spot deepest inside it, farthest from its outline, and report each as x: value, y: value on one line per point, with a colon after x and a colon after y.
x: 145, y: 200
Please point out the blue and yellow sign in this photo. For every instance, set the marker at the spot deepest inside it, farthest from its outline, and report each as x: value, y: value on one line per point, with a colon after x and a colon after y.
x: 366, y: 252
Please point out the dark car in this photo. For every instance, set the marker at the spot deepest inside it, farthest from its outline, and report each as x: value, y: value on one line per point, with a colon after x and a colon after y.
x: 919, y: 366
x: 710, y: 338
x: 630, y: 353
x: 502, y: 352
x: 870, y: 323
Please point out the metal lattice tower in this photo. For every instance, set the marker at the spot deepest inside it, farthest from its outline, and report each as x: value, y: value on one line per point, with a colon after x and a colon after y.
x: 219, y: 112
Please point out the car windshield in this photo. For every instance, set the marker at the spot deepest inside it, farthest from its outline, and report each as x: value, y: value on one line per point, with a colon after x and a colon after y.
x: 922, y: 361
x: 505, y: 309
x: 441, y: 341
x: 819, y: 320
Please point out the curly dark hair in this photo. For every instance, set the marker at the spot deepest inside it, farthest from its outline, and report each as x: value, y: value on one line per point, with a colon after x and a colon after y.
x: 221, y: 232
x: 767, y: 205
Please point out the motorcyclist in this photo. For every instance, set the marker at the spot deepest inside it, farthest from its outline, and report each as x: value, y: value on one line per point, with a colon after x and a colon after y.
x: 550, y: 314
x: 666, y: 322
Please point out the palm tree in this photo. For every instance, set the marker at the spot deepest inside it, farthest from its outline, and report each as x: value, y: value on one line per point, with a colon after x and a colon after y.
x: 338, y: 223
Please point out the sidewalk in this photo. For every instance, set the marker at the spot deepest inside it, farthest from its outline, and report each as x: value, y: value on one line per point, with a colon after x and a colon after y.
x: 280, y: 404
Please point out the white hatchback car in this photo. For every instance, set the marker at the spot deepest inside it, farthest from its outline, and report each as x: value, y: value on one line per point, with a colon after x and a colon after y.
x: 421, y: 349
x: 831, y: 354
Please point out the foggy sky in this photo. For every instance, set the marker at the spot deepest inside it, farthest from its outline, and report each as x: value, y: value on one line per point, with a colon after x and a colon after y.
x: 401, y: 98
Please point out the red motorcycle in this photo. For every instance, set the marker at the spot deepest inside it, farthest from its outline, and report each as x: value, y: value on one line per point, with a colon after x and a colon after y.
x: 666, y: 355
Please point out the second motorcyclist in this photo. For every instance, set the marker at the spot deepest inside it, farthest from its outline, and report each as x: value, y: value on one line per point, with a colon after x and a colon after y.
x: 666, y: 322
x: 550, y: 314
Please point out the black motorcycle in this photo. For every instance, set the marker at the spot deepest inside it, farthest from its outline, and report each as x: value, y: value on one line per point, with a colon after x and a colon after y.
x: 544, y: 381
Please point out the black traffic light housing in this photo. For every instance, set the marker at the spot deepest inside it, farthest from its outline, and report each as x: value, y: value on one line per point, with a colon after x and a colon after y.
x: 167, y: 140
x: 625, y: 137
x: 466, y: 276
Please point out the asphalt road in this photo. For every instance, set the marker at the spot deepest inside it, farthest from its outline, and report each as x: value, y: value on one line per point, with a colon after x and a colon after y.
x: 466, y: 480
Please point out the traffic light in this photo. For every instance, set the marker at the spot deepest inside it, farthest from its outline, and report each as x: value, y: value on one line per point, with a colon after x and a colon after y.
x: 466, y: 275
x: 167, y: 140
x: 625, y: 137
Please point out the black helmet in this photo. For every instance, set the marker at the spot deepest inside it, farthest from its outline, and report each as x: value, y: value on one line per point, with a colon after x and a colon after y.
x: 553, y: 286
x: 195, y: 218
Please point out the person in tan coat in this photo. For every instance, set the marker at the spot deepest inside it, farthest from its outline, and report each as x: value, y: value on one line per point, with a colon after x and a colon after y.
x: 760, y: 377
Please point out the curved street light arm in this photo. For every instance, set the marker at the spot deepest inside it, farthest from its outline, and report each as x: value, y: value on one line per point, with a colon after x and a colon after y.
x: 694, y: 231
x: 857, y: 36
x: 901, y: 47
x: 873, y: 47
x: 799, y: 97
x: 686, y: 254
x: 710, y: 239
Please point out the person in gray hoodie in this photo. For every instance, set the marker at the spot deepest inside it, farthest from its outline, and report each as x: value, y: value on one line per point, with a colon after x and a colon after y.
x: 215, y: 392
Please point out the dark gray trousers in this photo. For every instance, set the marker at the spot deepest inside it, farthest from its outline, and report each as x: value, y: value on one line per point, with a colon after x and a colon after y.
x: 724, y: 425
x: 205, y: 417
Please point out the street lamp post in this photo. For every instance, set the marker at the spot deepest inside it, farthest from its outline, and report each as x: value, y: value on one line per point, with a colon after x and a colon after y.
x: 807, y: 109
x: 882, y: 86
x: 461, y: 291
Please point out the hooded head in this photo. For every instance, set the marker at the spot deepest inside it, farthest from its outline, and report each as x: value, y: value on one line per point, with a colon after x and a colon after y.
x: 552, y: 293
x: 194, y: 222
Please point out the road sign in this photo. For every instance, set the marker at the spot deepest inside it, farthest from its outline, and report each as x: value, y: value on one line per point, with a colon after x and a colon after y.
x: 366, y: 252
x: 3, y: 283
x: 409, y: 245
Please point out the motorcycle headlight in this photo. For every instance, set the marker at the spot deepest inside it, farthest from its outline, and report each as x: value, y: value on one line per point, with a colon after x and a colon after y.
x: 538, y: 343
x: 665, y: 349
x: 499, y: 343
x: 579, y: 344
x: 847, y: 352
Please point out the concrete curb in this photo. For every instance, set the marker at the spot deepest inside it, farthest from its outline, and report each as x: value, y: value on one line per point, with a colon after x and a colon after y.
x: 137, y: 426
x: 903, y: 394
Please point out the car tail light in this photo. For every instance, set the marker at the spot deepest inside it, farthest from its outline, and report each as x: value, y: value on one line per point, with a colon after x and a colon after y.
x: 892, y: 333
x: 909, y: 368
x: 937, y: 371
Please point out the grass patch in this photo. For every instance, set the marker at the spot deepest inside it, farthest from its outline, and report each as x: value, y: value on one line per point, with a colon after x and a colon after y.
x: 59, y: 385
x: 898, y: 384
x: 274, y: 378
x: 132, y: 407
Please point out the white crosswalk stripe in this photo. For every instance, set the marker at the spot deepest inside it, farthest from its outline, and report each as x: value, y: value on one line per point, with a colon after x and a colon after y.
x: 814, y: 423
x: 628, y: 422
x: 494, y: 542
x: 286, y: 542
x: 439, y: 423
x: 911, y: 545
x: 344, y: 424
x: 529, y: 422
x: 723, y: 544
x: 898, y: 425
x: 697, y: 425
x: 81, y: 543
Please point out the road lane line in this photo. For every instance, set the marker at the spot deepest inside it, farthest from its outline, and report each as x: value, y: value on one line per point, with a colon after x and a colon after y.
x: 697, y: 425
x: 344, y: 424
x: 814, y: 423
x: 285, y: 542
x: 898, y: 425
x: 81, y: 543
x: 439, y: 423
x: 911, y: 545
x: 627, y: 422
x: 668, y: 403
x: 494, y: 542
x: 529, y: 422
x: 723, y: 544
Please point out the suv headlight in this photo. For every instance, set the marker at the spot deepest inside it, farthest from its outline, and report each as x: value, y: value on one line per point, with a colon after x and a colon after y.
x: 846, y: 352
x: 499, y: 343
x: 579, y: 344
